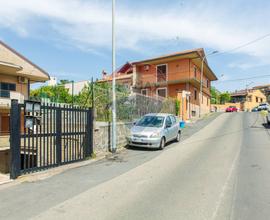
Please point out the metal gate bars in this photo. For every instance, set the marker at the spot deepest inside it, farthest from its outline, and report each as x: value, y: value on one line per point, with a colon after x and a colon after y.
x: 45, y: 136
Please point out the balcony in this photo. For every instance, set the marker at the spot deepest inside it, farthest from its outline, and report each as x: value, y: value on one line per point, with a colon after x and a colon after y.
x: 6, y: 96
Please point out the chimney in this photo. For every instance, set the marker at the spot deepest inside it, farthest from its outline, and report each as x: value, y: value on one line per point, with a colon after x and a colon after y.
x: 104, y: 74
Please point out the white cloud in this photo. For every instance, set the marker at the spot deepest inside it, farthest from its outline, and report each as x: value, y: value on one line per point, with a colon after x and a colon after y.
x: 87, y: 24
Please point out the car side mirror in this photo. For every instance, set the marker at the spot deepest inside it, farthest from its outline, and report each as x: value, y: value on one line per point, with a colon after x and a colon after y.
x: 168, y: 125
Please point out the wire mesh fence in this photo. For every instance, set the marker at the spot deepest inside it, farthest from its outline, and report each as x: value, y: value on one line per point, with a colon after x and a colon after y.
x: 129, y: 105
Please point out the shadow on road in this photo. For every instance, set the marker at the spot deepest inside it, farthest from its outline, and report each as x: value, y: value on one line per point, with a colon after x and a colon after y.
x: 141, y: 148
x: 265, y: 125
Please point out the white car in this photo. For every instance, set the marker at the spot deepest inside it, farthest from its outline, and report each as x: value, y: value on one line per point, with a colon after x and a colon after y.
x: 263, y: 106
x: 154, y: 131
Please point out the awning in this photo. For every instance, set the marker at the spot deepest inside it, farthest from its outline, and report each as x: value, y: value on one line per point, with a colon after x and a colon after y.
x: 9, y: 68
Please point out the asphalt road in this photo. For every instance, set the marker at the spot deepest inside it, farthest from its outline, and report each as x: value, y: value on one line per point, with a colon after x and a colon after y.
x: 221, y: 172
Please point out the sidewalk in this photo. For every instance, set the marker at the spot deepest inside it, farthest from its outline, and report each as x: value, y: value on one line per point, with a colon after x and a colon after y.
x: 4, y: 178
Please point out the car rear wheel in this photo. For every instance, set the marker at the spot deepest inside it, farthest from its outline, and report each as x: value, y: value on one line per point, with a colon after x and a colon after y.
x: 178, y: 137
x: 162, y: 143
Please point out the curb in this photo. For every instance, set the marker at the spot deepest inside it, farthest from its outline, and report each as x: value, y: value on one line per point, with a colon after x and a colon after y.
x: 42, y: 175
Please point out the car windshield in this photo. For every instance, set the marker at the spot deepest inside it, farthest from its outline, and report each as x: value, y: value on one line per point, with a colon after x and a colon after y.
x: 232, y: 107
x: 151, y: 121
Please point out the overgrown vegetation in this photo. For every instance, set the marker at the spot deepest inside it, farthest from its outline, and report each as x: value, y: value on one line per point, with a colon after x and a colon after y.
x: 130, y: 106
x: 218, y: 97
x: 177, y: 107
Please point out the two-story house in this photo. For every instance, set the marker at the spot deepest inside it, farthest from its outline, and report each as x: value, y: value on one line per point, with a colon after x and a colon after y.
x: 177, y: 75
x: 248, y: 98
x: 17, y: 73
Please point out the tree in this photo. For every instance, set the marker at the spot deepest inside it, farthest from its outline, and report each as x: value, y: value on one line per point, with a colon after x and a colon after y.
x: 225, y: 97
x: 58, y: 94
x: 103, y: 100
x: 215, y: 96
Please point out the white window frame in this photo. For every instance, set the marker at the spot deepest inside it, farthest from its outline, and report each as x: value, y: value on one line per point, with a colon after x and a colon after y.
x: 161, y: 89
x: 144, y: 90
x: 167, y: 70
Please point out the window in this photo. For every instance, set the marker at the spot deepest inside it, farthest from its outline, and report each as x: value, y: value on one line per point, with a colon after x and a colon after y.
x: 151, y: 121
x: 144, y: 92
x: 195, y: 72
x: 5, y: 89
x: 257, y: 99
x: 168, y: 121
x: 173, y: 119
x: 162, y: 92
x: 161, y: 73
x: 195, y: 94
x: 207, y: 83
x: 8, y: 86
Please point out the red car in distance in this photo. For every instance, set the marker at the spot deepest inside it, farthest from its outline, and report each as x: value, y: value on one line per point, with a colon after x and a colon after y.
x: 231, y: 109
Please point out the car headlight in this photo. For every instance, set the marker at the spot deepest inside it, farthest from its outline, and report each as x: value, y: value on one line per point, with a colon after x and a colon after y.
x: 155, y: 135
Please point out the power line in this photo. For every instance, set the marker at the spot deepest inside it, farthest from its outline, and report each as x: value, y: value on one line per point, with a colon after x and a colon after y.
x: 243, y: 45
x: 243, y: 79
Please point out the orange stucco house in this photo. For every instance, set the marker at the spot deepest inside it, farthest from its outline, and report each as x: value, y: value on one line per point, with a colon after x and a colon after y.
x: 175, y: 75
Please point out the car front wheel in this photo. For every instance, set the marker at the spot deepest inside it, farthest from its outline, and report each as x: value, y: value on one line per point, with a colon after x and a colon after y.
x: 162, y: 143
x: 178, y: 137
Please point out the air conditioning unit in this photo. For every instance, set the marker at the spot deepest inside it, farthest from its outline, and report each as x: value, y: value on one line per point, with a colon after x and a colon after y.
x: 146, y: 67
x: 22, y: 80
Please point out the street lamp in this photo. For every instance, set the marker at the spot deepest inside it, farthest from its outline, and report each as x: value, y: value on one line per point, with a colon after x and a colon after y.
x: 113, y: 146
x: 201, y: 81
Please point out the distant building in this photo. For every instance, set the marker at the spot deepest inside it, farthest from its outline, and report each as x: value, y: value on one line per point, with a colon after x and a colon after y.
x: 123, y: 76
x: 248, y: 98
x: 265, y: 89
x: 76, y: 87
x: 52, y: 81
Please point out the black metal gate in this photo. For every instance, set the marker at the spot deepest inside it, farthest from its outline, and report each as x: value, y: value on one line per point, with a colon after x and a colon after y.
x: 44, y: 136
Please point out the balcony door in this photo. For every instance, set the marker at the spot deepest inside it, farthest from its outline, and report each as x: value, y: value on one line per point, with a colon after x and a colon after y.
x: 162, y: 73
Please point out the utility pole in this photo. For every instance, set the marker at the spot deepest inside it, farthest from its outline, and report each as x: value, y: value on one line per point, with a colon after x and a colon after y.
x: 113, y: 147
x: 201, y: 81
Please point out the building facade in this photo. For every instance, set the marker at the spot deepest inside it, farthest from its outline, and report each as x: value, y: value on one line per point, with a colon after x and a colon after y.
x: 248, y: 98
x: 175, y: 75
x: 17, y: 73
x: 178, y: 76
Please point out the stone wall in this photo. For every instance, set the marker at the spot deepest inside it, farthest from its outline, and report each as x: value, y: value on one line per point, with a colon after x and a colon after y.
x: 102, y: 135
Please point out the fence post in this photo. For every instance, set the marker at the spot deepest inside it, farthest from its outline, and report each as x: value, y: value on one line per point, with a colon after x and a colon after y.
x: 15, y: 126
x: 58, y: 136
x: 89, y: 133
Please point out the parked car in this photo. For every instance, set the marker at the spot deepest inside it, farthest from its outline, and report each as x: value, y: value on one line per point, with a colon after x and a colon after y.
x: 263, y: 106
x: 255, y: 109
x: 231, y: 109
x: 154, y: 131
x: 268, y: 118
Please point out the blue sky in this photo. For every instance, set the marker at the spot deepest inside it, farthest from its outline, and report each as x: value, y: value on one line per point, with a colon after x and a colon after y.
x: 72, y: 39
